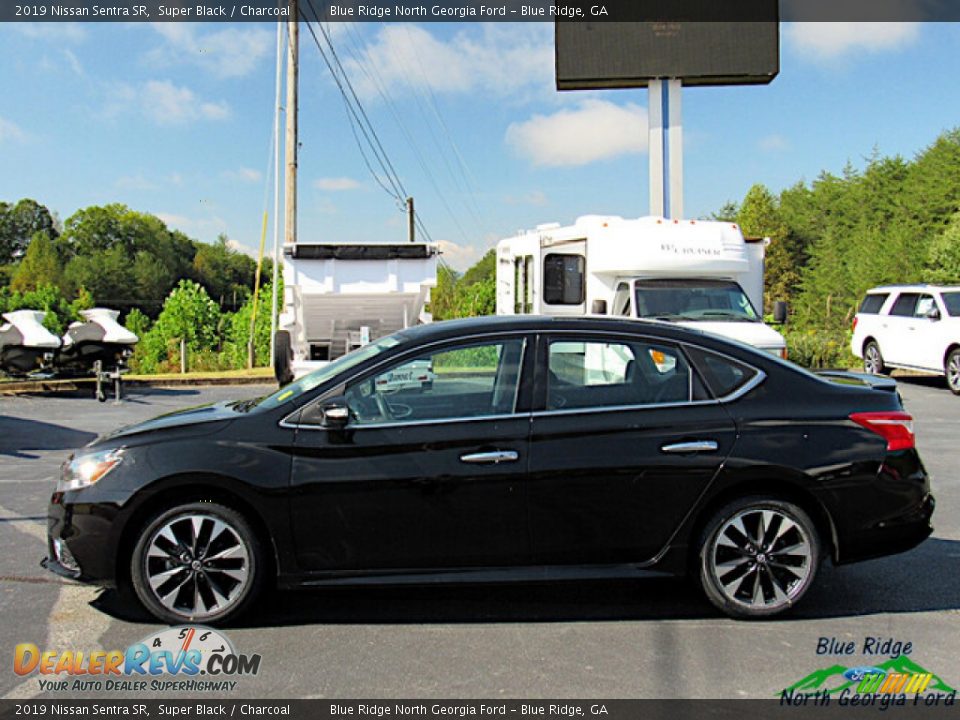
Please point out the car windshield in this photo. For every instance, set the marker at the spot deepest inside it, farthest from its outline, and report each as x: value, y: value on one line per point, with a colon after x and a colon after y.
x: 321, y: 375
x: 722, y: 300
x: 951, y: 301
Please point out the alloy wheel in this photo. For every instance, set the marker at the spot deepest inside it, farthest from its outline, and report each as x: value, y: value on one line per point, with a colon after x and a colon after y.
x: 872, y: 362
x: 761, y: 559
x: 953, y: 372
x: 197, y: 565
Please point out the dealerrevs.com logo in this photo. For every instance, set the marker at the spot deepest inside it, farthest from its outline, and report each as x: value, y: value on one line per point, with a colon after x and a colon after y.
x: 189, y: 658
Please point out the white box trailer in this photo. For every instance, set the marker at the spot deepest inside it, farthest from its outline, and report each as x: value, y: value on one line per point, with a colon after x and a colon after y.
x: 337, y: 297
x: 702, y: 274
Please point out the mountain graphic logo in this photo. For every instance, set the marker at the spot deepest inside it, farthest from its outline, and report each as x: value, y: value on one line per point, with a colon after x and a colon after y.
x: 836, y: 678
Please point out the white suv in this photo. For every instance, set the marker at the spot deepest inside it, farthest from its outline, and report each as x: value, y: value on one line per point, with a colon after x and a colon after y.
x: 916, y: 327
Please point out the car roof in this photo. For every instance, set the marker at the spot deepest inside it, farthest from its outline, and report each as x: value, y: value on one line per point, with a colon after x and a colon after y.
x: 914, y: 286
x: 543, y: 323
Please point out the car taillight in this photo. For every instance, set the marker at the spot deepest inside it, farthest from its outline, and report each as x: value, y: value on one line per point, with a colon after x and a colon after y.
x: 853, y: 327
x: 783, y: 352
x: 896, y: 427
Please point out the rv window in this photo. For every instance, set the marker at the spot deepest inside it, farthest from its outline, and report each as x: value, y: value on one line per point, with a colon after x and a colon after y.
x: 563, y: 279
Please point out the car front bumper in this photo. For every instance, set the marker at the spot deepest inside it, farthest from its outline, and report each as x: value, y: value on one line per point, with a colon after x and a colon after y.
x: 80, y: 541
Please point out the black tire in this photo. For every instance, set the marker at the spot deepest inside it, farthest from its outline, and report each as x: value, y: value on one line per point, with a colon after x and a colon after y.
x: 873, y: 360
x: 731, y: 571
x: 161, y: 573
x: 951, y: 369
x: 283, y: 357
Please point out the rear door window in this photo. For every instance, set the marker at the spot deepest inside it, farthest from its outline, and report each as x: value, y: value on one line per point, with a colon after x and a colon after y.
x: 924, y: 305
x: 598, y: 373
x: 563, y: 282
x: 905, y: 305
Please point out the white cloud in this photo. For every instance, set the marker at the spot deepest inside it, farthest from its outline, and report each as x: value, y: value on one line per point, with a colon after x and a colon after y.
x: 169, y: 104
x: 597, y: 130
x: 459, y: 257
x: 830, y: 40
x: 336, y: 184
x: 243, y: 174
x: 241, y: 248
x: 10, y: 132
x: 773, y: 143
x: 204, y: 228
x: 501, y: 59
x: 73, y: 62
x: 226, y: 53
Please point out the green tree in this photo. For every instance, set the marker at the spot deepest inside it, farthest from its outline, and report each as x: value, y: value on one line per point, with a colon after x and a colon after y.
x: 943, y: 256
x: 40, y: 265
x: 759, y: 217
x: 19, y: 223
x: 188, y: 314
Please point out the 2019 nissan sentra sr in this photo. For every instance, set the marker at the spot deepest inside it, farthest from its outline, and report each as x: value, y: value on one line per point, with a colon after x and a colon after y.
x: 540, y: 449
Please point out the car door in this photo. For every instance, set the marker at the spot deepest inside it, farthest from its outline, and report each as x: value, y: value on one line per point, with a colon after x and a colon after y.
x: 428, y: 471
x: 922, y: 335
x: 897, y: 331
x: 624, y: 441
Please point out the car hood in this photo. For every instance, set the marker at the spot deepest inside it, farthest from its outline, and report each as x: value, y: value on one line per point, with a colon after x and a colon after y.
x: 752, y: 333
x: 198, y: 420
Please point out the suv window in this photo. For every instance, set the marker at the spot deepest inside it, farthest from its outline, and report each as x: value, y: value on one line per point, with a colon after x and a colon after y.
x: 872, y: 303
x: 924, y: 305
x: 586, y: 374
x: 905, y: 304
x: 951, y: 301
x: 723, y: 375
x: 473, y: 380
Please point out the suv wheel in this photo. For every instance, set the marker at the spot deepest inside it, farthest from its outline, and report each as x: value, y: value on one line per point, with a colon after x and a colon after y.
x: 873, y: 360
x: 758, y: 557
x: 197, y: 562
x: 952, y: 371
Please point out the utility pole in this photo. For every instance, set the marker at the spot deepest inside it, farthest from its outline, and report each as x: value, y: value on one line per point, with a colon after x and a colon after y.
x: 411, y: 221
x: 290, y: 188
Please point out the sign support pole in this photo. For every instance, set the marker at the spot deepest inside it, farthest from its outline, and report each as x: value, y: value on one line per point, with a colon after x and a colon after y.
x: 665, y: 148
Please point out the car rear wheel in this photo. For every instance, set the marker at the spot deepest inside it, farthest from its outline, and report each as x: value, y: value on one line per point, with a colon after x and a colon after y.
x: 198, y: 562
x: 952, y: 371
x: 873, y: 360
x: 758, y: 557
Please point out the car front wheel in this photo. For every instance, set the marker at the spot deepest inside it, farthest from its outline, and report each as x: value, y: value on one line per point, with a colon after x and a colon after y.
x: 758, y: 557
x: 873, y: 360
x: 197, y: 562
x: 952, y: 371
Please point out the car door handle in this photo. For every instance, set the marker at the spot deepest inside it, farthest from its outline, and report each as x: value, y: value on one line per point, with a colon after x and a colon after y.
x: 691, y: 447
x: 490, y: 458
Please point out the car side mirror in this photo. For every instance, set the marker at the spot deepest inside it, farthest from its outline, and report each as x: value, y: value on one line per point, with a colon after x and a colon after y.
x: 599, y: 307
x: 933, y: 313
x: 780, y: 312
x: 336, y: 413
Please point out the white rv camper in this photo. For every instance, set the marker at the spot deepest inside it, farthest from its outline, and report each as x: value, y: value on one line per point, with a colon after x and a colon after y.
x: 337, y: 297
x: 697, y: 273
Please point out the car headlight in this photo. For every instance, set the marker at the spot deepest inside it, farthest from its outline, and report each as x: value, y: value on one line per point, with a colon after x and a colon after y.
x: 84, y: 470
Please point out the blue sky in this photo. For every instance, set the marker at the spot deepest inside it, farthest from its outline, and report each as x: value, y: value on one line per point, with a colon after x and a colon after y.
x: 175, y: 119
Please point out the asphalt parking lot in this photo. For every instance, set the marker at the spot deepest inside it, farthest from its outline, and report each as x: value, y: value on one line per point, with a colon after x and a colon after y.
x: 590, y: 640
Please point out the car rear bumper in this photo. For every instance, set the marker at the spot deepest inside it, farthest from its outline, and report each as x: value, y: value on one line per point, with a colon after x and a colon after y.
x: 891, y: 536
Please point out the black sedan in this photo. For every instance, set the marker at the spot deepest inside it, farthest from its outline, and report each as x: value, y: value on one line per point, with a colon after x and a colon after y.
x: 503, y: 449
